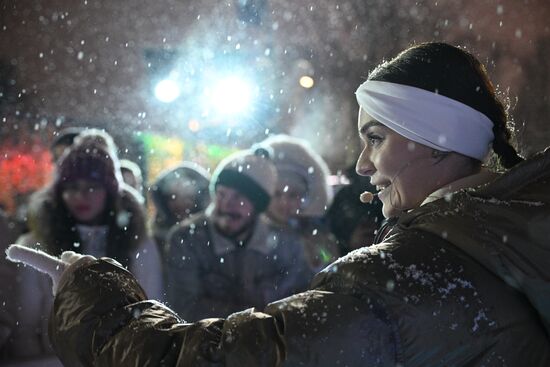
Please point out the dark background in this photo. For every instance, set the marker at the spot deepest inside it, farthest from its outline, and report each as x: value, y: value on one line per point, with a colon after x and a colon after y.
x: 94, y: 62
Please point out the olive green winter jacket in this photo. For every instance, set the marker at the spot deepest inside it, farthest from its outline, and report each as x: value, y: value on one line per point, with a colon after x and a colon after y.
x: 461, y: 281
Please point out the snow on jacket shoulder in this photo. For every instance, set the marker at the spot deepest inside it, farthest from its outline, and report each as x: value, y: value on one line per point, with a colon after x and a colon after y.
x: 505, y: 226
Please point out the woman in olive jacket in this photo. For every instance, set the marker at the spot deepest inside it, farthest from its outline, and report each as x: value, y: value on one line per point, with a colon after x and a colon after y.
x: 461, y: 279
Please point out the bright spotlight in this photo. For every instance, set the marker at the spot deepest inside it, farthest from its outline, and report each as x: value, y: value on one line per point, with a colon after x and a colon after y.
x: 167, y: 90
x: 307, y: 81
x: 231, y: 95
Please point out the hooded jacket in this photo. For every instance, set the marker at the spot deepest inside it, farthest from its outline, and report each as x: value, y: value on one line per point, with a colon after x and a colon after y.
x: 196, y: 180
x: 461, y: 281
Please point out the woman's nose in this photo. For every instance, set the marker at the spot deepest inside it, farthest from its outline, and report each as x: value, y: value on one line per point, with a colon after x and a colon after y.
x: 364, y: 166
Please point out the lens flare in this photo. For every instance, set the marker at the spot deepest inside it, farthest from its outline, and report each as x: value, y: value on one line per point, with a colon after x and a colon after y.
x: 167, y: 90
x: 230, y: 96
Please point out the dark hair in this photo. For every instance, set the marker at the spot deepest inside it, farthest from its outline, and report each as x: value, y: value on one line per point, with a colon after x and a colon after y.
x: 189, y: 172
x: 457, y: 74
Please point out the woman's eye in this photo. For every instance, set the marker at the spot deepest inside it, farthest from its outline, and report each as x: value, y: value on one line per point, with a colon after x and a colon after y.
x: 373, y: 139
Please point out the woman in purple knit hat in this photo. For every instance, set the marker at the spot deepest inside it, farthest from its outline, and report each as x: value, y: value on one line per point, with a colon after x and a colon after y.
x: 87, y: 209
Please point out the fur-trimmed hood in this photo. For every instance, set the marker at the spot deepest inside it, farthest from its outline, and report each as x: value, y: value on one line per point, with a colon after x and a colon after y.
x: 192, y: 174
x: 294, y: 156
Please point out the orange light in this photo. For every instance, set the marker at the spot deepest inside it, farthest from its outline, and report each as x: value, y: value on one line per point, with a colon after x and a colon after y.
x: 194, y: 125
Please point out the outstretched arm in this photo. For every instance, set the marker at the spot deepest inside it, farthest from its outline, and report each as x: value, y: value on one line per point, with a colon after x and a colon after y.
x: 101, y: 318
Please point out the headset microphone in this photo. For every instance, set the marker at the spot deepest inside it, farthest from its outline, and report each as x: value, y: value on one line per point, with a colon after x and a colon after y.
x: 367, y: 197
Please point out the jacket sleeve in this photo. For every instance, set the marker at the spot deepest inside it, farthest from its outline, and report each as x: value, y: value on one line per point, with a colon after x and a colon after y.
x: 101, y: 318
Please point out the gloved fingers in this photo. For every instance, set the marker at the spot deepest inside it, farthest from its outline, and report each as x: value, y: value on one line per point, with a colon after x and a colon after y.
x: 66, y: 255
x: 70, y: 257
x: 39, y: 260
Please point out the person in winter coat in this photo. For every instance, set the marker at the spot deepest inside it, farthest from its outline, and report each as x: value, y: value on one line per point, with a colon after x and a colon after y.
x: 302, y: 196
x: 86, y: 209
x: 461, y: 279
x: 178, y: 193
x: 229, y: 258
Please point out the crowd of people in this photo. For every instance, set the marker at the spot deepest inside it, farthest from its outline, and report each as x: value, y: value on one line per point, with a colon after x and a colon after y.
x: 254, y: 231
x: 453, y: 272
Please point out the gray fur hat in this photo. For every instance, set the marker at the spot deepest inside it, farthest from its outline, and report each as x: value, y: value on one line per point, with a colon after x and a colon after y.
x: 294, y: 157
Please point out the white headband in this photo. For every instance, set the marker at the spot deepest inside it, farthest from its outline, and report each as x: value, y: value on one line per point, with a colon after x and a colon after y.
x: 427, y: 118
